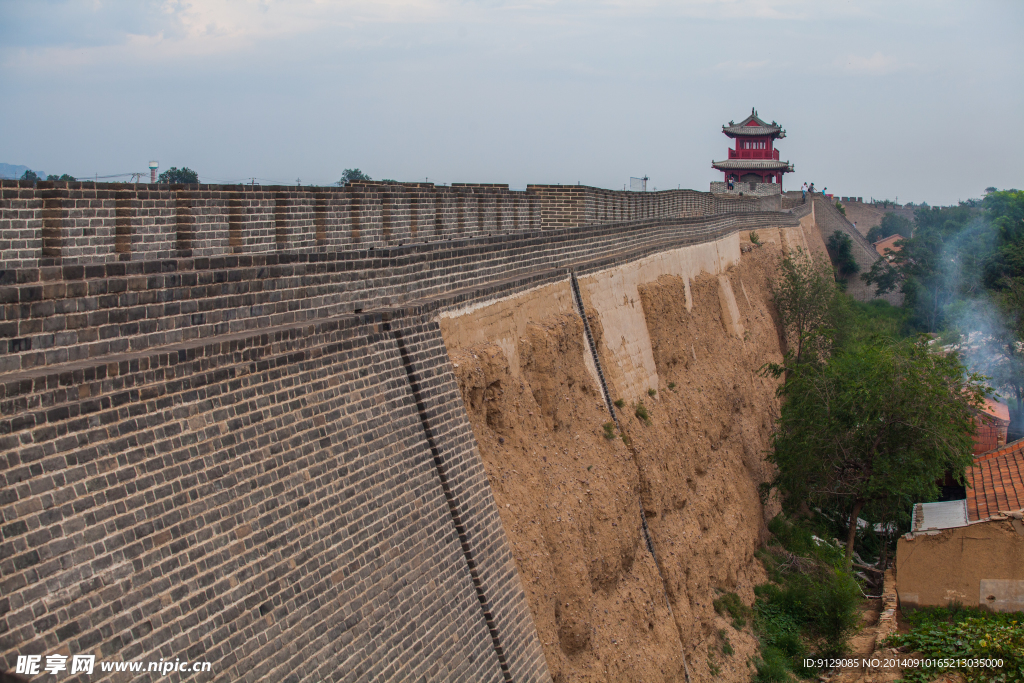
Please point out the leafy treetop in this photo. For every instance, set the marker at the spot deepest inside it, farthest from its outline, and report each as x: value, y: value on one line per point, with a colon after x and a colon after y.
x: 183, y: 175
x: 806, y: 298
x: 874, y: 427
x: 891, y: 224
x: 352, y: 175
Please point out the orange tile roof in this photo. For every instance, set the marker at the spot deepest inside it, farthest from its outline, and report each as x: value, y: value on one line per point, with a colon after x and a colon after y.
x: 996, y: 482
x: 887, y: 244
x: 997, y: 410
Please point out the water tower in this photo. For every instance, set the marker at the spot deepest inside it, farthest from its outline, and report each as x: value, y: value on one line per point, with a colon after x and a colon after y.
x: 153, y: 165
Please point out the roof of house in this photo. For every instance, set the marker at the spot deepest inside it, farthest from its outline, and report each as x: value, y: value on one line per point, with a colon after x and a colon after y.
x: 752, y: 164
x: 887, y: 244
x: 753, y: 126
x: 996, y: 482
x: 945, y: 515
x: 998, y: 410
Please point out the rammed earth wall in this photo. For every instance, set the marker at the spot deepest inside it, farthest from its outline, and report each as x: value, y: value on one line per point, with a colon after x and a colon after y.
x: 260, y: 458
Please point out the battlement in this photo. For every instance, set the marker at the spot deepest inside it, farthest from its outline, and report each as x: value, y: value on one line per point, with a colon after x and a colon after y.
x: 54, y: 223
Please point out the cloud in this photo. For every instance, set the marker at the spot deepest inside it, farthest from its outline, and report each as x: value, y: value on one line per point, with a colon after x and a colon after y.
x: 739, y: 65
x: 877, y: 64
x: 61, y: 33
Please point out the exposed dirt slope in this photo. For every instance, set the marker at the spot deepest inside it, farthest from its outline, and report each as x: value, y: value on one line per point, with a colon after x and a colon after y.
x: 571, y: 500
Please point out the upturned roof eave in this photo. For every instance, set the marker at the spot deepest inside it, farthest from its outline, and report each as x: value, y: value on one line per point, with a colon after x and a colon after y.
x: 754, y: 131
x: 752, y: 165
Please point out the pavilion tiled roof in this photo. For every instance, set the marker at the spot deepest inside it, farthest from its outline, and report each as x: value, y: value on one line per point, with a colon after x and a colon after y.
x: 996, y: 481
x: 759, y: 128
x: 752, y: 164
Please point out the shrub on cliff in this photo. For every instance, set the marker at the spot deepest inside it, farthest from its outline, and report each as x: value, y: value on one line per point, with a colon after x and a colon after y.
x: 840, y: 249
x: 807, y: 300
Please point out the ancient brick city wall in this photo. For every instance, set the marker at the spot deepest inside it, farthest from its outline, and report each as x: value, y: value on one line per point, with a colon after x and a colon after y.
x: 262, y: 460
x: 53, y: 223
x: 830, y: 220
x: 73, y: 313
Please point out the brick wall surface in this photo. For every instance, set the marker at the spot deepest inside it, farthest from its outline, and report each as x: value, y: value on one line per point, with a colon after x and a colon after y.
x: 261, y: 459
x: 55, y: 223
x: 829, y: 220
x: 476, y: 512
x: 747, y: 188
x: 72, y: 313
x: 266, y: 503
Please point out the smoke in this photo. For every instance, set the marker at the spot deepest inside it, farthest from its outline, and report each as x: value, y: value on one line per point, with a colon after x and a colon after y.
x: 976, y: 320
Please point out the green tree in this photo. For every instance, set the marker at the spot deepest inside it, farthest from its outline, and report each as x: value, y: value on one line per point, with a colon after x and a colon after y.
x: 352, y: 175
x: 30, y: 176
x: 1003, y: 341
x: 62, y: 177
x: 1005, y: 213
x: 183, y: 176
x: 806, y: 298
x: 876, y: 425
x: 938, y: 265
x: 840, y: 248
x: 891, y: 225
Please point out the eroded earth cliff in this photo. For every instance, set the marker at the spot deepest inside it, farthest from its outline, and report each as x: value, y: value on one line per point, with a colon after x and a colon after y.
x: 571, y: 500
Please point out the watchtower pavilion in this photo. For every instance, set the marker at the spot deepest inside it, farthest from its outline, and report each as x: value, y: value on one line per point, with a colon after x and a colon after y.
x: 755, y: 159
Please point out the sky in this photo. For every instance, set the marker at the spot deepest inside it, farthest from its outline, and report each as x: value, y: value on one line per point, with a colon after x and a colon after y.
x: 909, y: 100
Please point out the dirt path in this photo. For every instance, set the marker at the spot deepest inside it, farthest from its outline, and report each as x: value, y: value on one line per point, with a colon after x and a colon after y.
x: 878, y: 622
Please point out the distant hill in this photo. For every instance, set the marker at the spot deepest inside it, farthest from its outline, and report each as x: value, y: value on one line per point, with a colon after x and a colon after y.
x: 12, y: 171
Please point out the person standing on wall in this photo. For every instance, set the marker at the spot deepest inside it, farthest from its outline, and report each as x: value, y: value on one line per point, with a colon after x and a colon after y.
x: 803, y: 190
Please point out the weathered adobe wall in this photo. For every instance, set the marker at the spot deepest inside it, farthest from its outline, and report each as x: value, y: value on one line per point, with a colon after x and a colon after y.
x: 263, y: 461
x: 980, y: 565
x: 607, y: 606
x: 54, y: 223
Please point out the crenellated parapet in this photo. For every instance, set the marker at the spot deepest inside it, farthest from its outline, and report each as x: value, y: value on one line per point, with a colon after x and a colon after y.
x: 55, y: 223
